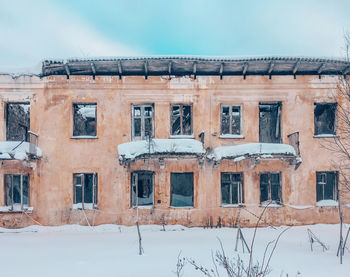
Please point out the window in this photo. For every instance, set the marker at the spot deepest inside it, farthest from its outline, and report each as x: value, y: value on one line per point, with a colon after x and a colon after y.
x: 324, y: 118
x: 270, y: 122
x: 231, y: 188
x: 17, y: 191
x: 142, y: 188
x: 84, y: 120
x: 142, y: 121
x: 85, y: 190
x: 326, y: 187
x: 270, y: 188
x: 17, y: 121
x: 230, y: 120
x: 181, y: 189
x: 181, y: 120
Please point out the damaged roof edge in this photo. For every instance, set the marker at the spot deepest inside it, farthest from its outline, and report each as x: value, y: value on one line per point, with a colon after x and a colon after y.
x: 197, y: 65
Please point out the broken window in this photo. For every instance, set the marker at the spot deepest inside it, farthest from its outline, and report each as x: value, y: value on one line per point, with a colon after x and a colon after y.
x: 84, y: 120
x: 85, y: 190
x: 142, y: 188
x: 270, y: 187
x: 231, y: 188
x: 181, y: 189
x: 327, y: 186
x: 324, y: 118
x: 230, y: 120
x: 17, y: 191
x: 270, y: 122
x: 181, y: 120
x: 142, y: 118
x: 17, y: 121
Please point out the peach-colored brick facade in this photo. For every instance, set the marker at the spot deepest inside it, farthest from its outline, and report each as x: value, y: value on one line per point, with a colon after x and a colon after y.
x: 51, y: 177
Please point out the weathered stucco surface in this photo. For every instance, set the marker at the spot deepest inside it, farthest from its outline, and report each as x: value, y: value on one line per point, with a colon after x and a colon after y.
x: 51, y: 181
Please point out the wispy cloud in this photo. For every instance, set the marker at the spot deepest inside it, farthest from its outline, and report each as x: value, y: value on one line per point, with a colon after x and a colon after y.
x: 31, y: 31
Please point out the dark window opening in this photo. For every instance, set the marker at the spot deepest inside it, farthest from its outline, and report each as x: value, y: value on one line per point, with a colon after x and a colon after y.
x: 326, y: 187
x: 84, y: 119
x: 17, y: 121
x: 270, y: 122
x: 142, y: 188
x: 270, y: 188
x: 231, y: 188
x: 143, y: 121
x: 325, y: 118
x: 17, y: 191
x: 85, y: 190
x: 181, y: 120
x: 181, y: 189
x: 230, y: 120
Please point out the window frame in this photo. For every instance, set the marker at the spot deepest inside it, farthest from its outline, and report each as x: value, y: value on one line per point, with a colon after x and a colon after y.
x: 193, y: 190
x: 82, y: 185
x: 240, y: 193
x: 142, y: 117
x: 269, y: 192
x: 6, y: 118
x: 335, y: 188
x: 230, y: 134
x: 22, y: 205
x: 136, y: 172
x: 279, y: 121
x: 335, y: 123
x: 181, y: 105
x: 73, y: 110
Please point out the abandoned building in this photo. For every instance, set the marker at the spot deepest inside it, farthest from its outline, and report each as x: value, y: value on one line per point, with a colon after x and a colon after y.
x: 196, y: 141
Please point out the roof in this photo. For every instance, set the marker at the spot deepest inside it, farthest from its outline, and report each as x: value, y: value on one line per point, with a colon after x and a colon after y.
x: 196, y: 65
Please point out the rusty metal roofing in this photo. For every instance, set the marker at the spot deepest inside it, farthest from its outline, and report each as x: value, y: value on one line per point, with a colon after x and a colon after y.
x: 196, y: 65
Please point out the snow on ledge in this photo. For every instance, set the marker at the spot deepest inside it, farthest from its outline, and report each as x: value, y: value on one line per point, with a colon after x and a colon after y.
x: 16, y: 208
x: 327, y: 203
x: 265, y: 150
x: 17, y: 150
x: 134, y: 149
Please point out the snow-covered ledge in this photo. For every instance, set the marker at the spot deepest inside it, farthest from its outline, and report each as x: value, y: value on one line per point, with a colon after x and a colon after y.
x: 15, y: 208
x: 240, y: 152
x: 18, y: 150
x: 138, y: 149
x: 327, y: 203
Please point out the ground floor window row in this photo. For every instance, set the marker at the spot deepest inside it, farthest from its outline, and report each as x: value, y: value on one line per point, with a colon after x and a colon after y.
x: 181, y: 189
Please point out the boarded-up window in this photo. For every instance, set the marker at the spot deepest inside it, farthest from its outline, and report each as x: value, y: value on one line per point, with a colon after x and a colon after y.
x: 270, y: 122
x: 17, y: 191
x: 17, y: 121
x: 231, y: 188
x: 327, y: 186
x: 85, y: 190
x: 270, y: 187
x: 142, y: 121
x: 181, y: 120
x: 181, y: 189
x: 142, y: 188
x: 84, y: 119
x: 325, y: 118
x: 230, y: 120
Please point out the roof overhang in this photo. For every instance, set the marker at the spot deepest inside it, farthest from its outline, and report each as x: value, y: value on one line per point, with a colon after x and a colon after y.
x: 196, y: 65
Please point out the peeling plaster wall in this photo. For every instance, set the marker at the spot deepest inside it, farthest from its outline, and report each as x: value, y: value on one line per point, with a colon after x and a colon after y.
x: 51, y: 178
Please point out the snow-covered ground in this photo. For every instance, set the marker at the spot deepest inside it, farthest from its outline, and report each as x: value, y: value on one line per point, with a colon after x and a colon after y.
x: 110, y: 250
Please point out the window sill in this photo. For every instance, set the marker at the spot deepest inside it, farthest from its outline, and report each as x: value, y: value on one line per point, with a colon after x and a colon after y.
x: 87, y: 206
x: 182, y: 137
x: 150, y: 207
x: 229, y: 136
x: 182, y: 207
x: 84, y: 137
x: 233, y: 206
x: 326, y: 136
x: 327, y: 203
x: 271, y: 205
x: 7, y: 209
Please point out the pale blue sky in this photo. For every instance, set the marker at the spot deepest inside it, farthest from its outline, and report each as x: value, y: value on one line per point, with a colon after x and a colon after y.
x: 31, y: 31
